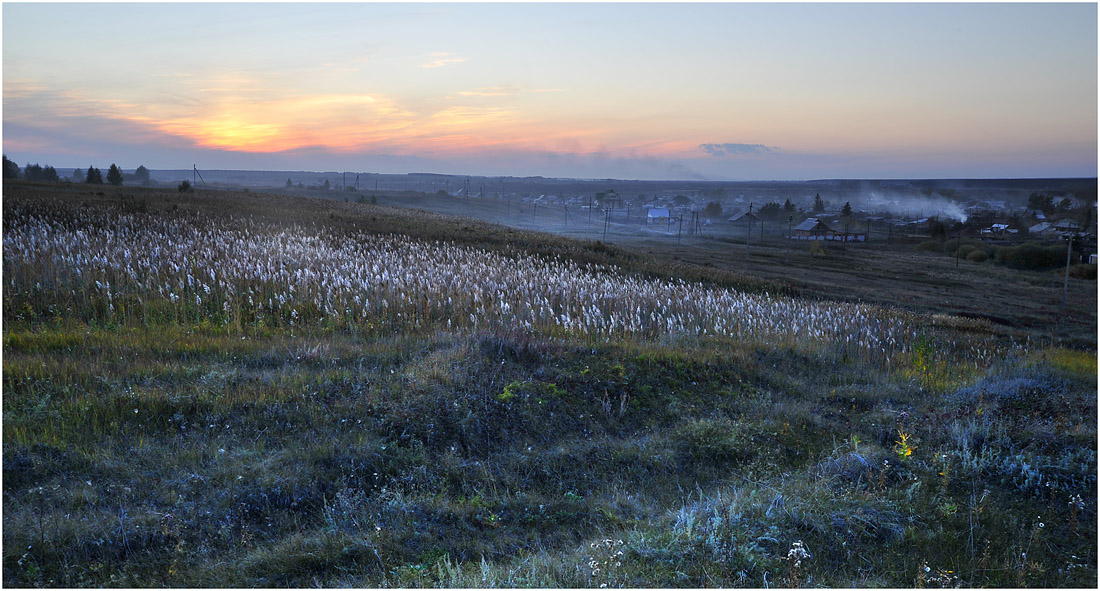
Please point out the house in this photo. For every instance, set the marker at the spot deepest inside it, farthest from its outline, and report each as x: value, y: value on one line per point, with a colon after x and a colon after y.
x: 816, y: 229
x: 1066, y: 226
x: 813, y: 229
x: 1040, y: 229
x: 747, y: 217
x: 657, y: 215
x: 997, y: 230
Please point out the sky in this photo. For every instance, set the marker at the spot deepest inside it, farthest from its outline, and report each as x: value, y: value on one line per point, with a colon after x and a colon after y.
x: 712, y: 91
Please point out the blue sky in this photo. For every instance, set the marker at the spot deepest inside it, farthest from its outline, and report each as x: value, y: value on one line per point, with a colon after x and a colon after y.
x: 672, y: 91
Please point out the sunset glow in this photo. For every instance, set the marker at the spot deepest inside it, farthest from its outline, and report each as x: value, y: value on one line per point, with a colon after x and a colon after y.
x: 935, y: 90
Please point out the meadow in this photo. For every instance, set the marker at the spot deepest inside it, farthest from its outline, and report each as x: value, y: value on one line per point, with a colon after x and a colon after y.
x: 238, y: 389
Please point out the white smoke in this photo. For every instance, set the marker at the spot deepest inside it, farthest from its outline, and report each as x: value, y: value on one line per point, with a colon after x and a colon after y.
x: 915, y: 204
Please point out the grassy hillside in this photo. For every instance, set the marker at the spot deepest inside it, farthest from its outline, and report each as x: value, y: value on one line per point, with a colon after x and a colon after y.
x: 244, y: 390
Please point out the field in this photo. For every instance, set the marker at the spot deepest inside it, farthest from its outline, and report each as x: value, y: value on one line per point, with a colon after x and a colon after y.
x: 249, y: 390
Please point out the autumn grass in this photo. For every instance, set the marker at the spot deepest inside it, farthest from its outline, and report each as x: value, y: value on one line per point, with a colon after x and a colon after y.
x: 191, y: 453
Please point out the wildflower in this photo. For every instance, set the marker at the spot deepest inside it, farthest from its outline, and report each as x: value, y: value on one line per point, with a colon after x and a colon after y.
x: 798, y: 553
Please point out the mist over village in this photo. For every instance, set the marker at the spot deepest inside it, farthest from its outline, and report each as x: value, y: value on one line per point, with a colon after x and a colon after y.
x: 531, y: 295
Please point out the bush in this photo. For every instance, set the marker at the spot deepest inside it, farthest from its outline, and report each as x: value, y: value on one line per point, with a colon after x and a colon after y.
x: 1083, y: 272
x: 931, y: 246
x: 964, y: 251
x: 1030, y: 256
x: 977, y: 256
x: 714, y: 440
x: 185, y: 187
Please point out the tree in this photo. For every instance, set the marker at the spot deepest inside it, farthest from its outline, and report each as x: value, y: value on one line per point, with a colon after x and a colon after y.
x: 788, y: 207
x: 326, y: 185
x: 34, y: 172
x: 937, y: 228
x: 78, y: 175
x: 288, y: 183
x: 185, y: 187
x: 1040, y: 201
x: 11, y: 169
x: 1065, y: 204
x: 769, y: 210
x: 712, y: 210
x: 819, y: 205
x: 847, y: 210
x: 94, y: 176
x: 114, y: 175
x: 142, y: 174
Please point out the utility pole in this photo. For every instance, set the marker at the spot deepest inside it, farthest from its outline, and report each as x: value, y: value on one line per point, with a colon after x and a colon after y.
x: 748, y: 234
x: 680, y: 231
x: 1065, y: 284
x: 790, y: 220
x: 606, y: 221
x: 195, y: 171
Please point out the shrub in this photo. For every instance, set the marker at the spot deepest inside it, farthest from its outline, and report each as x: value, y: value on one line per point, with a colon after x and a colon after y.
x: 716, y: 440
x: 930, y: 246
x: 1030, y: 256
x: 185, y: 187
x: 977, y: 256
x: 1083, y: 272
x: 964, y: 251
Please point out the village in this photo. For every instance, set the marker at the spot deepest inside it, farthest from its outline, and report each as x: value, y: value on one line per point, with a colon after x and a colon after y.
x: 1044, y: 219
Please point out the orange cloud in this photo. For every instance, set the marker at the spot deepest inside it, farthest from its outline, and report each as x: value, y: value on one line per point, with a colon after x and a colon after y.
x: 255, y: 115
x: 337, y: 121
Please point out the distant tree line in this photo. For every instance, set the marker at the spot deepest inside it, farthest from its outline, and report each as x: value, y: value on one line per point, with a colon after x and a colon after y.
x: 775, y: 211
x: 1046, y: 204
x: 48, y: 174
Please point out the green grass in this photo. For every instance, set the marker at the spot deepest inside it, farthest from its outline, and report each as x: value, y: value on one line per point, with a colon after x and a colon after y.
x: 186, y: 453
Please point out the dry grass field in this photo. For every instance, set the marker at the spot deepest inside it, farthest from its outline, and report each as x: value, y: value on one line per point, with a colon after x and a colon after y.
x: 236, y: 389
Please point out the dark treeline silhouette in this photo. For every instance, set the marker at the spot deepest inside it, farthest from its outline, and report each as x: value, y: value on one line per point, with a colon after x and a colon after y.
x: 47, y: 173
